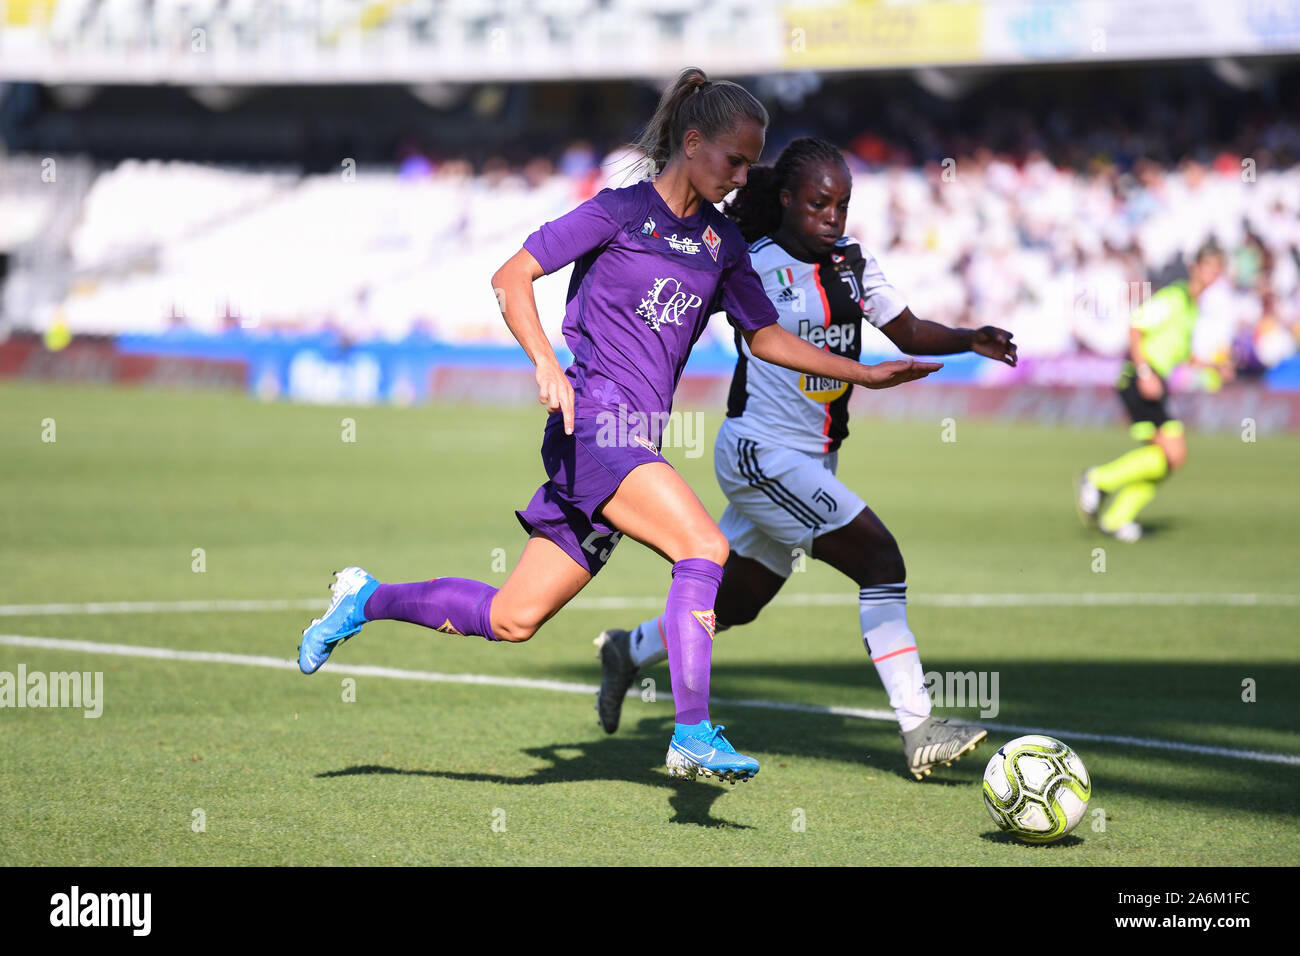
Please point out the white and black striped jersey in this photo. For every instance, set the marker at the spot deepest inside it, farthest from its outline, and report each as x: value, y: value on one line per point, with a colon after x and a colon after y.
x: 825, y: 303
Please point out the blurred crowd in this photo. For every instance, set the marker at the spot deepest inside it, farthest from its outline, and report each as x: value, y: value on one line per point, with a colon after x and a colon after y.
x: 1063, y: 258
x: 1059, y: 256
x: 1052, y: 202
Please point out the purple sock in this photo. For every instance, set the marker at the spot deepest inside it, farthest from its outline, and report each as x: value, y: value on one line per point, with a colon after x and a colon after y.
x: 688, y: 626
x: 450, y: 605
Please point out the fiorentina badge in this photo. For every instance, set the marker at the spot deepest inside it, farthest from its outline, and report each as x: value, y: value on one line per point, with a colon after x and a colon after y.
x: 712, y: 240
x: 708, y: 620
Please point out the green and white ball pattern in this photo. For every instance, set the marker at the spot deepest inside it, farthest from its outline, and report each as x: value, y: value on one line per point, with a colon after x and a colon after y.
x: 1036, y: 788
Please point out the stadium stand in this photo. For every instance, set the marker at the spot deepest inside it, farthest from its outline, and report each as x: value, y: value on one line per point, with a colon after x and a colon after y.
x: 1050, y: 253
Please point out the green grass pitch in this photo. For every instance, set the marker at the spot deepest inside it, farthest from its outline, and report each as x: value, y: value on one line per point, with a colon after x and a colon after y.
x: 284, y: 770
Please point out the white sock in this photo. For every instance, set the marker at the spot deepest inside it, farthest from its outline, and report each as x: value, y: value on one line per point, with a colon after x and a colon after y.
x: 648, y: 644
x: 882, y: 609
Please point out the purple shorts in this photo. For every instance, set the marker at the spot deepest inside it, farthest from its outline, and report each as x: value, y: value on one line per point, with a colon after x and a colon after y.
x: 585, y: 469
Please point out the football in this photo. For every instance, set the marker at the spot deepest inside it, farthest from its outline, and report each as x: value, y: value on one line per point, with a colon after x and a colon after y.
x: 1036, y: 788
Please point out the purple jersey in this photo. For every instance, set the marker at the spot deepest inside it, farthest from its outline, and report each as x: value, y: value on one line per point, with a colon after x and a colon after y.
x: 644, y: 285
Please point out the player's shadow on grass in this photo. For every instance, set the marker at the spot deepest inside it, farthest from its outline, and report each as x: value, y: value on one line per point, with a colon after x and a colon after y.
x: 870, y: 748
x: 1151, y: 527
x: 619, y: 758
x: 867, y: 748
x: 1165, y: 700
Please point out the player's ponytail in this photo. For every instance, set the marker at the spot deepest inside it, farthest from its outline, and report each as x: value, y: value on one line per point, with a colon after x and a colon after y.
x: 695, y: 102
x: 756, y: 208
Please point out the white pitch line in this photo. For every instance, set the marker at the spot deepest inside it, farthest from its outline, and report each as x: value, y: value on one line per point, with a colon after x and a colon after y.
x: 161, y: 607
x: 434, y: 677
x: 1108, y: 599
x: 1084, y: 599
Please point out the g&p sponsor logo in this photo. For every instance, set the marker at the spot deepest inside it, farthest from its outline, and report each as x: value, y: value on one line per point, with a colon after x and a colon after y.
x: 667, y: 303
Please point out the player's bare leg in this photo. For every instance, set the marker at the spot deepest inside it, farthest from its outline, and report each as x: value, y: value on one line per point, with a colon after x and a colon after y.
x: 1173, y: 443
x: 544, y: 580
x: 656, y: 507
x: 747, y: 587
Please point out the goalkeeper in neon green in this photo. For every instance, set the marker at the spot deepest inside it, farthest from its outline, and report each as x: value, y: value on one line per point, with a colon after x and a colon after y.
x: 1161, y: 339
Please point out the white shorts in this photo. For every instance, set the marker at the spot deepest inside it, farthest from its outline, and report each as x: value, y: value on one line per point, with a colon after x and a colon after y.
x: 779, y: 499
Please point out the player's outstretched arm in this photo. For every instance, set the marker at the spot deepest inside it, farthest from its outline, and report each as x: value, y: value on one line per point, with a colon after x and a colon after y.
x: 774, y: 344
x: 923, y: 337
x: 1149, y: 385
x: 513, y: 285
